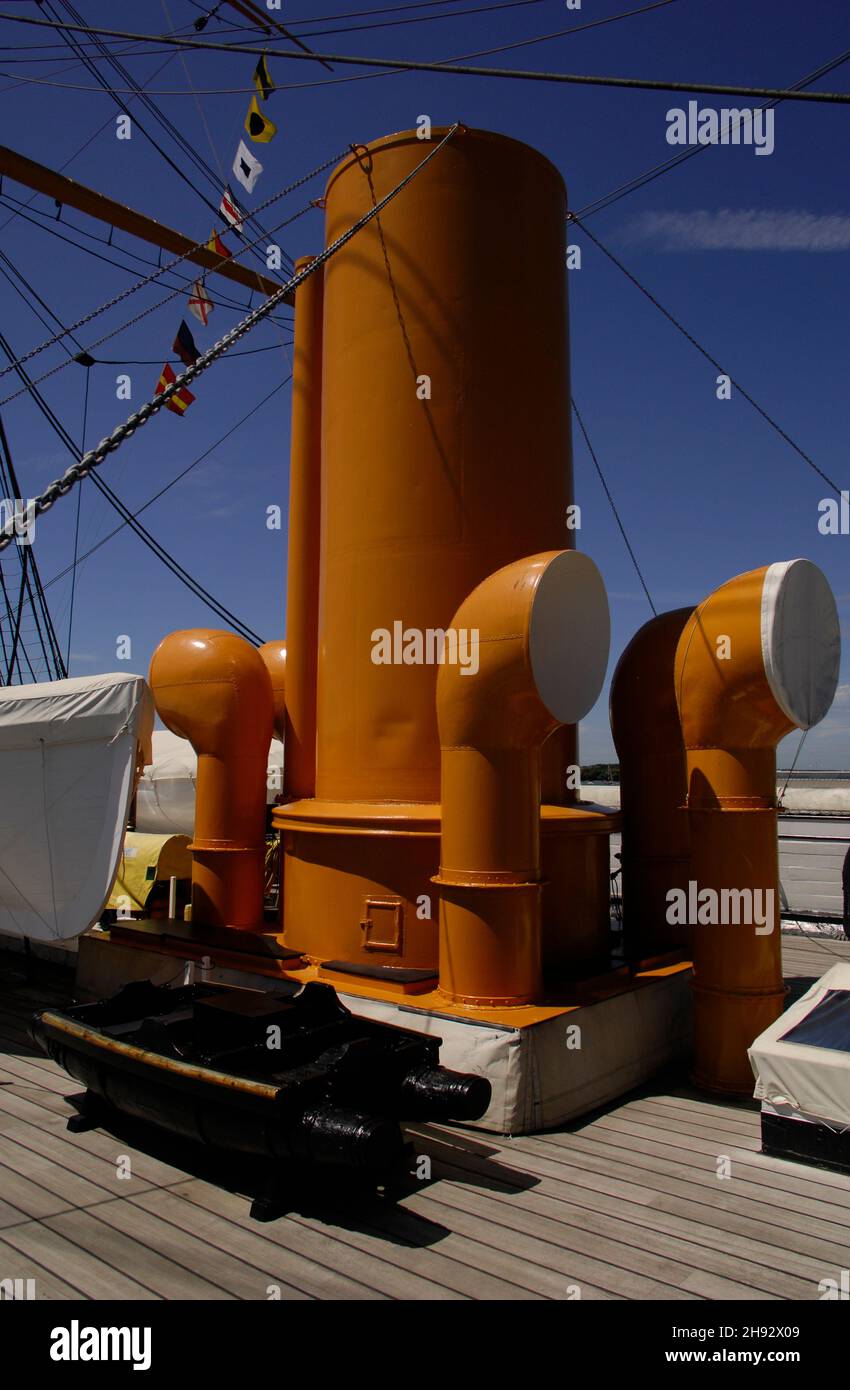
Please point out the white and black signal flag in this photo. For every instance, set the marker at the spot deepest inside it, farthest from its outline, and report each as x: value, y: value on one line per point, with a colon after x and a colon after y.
x: 246, y: 167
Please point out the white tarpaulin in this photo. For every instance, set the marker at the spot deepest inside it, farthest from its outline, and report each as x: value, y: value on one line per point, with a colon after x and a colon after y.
x: 165, y: 800
x: 68, y: 758
x: 802, y: 1080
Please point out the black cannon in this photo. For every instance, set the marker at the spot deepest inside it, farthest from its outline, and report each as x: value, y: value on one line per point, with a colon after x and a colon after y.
x: 292, y: 1076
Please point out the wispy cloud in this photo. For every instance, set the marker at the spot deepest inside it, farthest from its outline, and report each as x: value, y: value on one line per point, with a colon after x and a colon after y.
x: 741, y: 229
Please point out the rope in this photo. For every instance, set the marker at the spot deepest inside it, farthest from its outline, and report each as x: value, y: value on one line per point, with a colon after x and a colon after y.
x: 113, y: 441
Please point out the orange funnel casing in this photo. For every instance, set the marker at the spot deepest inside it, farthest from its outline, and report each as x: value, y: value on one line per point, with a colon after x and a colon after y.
x: 445, y: 456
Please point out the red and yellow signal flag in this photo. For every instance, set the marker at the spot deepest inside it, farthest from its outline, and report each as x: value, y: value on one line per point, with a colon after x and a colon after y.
x: 181, y: 400
x: 217, y: 246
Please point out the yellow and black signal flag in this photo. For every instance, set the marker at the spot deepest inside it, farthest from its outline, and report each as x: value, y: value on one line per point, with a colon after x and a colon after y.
x: 258, y: 126
x: 262, y: 79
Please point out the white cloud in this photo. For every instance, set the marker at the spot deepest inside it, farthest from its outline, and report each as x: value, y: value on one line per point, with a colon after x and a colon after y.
x: 742, y: 229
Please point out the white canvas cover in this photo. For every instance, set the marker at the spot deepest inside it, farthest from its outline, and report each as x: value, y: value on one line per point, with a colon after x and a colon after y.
x: 797, y: 1080
x: 165, y: 799
x: 68, y: 758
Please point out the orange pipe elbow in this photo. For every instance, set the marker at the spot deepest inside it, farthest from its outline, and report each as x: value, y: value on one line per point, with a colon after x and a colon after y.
x: 539, y: 633
x: 213, y: 689
x: 757, y: 659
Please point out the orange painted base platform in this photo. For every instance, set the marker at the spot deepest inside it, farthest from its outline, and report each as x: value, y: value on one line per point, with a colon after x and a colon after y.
x: 589, y: 1042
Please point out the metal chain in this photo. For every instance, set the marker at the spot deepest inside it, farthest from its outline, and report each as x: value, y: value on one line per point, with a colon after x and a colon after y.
x: 148, y: 279
x: 78, y: 471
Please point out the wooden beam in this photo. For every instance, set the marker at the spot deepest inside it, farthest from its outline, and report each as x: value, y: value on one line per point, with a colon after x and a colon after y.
x: 88, y: 200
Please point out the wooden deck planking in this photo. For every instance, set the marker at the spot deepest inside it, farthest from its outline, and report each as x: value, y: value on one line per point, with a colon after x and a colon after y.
x: 702, y: 1242
x: 626, y: 1204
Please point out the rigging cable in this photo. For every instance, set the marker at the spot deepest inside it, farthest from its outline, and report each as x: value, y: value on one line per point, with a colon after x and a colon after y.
x: 48, y: 640
x: 147, y: 539
x: 84, y: 466
x: 173, y: 481
x: 166, y: 123
x: 169, y: 265
x: 129, y: 323
x: 88, y: 367
x: 649, y: 175
x: 461, y: 70
x: 617, y: 517
x: 48, y: 225
x: 707, y: 355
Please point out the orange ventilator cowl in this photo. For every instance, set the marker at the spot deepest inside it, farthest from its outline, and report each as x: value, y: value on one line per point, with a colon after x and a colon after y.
x: 757, y: 659
x: 274, y: 657
x: 539, y: 631
x: 213, y: 688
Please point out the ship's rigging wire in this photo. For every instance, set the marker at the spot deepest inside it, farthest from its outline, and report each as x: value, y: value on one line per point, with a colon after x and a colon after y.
x: 129, y: 323
x: 178, y: 477
x: 457, y: 69
x: 77, y: 522
x: 169, y: 265
x: 451, y: 13
x: 199, y: 106
x: 359, y: 77
x: 84, y: 466
x: 781, y: 796
x: 249, y: 414
x: 649, y: 175
x: 91, y: 138
x: 115, y: 501
x: 47, y: 639
x: 48, y: 224
x: 613, y: 505
x: 185, y: 145
x: 708, y: 356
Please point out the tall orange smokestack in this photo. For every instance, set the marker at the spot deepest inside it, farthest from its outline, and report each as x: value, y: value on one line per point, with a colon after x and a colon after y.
x: 444, y: 459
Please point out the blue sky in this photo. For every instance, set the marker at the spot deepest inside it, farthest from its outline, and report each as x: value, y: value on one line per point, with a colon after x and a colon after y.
x: 749, y: 252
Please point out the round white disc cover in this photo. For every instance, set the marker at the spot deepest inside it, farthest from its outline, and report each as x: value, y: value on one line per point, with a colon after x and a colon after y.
x: 570, y: 636
x: 800, y: 640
